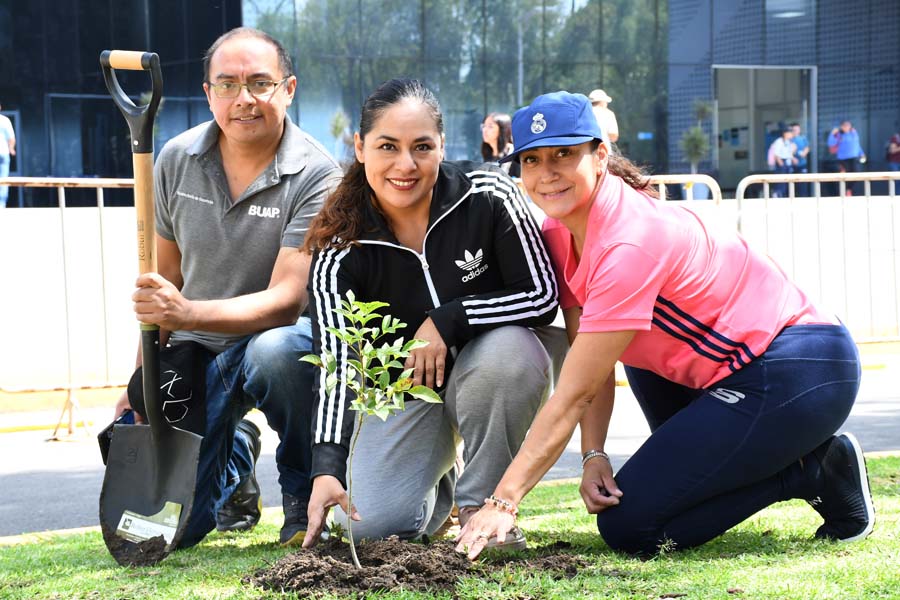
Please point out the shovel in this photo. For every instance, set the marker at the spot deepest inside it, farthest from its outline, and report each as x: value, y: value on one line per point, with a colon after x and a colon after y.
x: 151, y: 472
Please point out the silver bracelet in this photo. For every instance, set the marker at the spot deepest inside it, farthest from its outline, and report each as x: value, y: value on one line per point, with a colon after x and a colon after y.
x: 593, y: 454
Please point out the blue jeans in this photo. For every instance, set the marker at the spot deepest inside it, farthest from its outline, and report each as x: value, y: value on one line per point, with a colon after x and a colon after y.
x: 4, y: 172
x: 801, y: 190
x: 780, y: 190
x: 260, y: 371
x: 895, y: 167
x: 717, y: 456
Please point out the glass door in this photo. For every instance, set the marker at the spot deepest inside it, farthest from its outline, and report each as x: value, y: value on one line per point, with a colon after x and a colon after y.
x: 753, y: 105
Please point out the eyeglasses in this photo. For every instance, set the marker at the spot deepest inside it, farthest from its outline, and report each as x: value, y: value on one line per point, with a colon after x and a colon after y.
x: 261, y: 88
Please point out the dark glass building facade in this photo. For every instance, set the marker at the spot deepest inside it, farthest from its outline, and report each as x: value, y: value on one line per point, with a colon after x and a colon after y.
x: 50, y: 81
x: 765, y: 63
x: 477, y: 55
x: 758, y: 63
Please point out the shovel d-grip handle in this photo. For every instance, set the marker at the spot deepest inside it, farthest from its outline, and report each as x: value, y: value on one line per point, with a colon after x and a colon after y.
x: 140, y: 124
x: 139, y: 118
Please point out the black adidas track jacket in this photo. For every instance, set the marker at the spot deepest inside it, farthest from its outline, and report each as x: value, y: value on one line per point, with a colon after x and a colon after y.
x: 484, y: 265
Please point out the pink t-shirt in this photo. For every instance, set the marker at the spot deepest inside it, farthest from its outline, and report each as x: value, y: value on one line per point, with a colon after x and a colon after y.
x: 702, y: 302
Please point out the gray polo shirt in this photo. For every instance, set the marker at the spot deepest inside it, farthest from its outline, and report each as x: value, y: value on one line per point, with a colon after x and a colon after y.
x: 228, y: 249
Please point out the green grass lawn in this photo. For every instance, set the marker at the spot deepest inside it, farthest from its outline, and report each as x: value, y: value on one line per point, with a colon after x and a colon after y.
x: 770, y: 556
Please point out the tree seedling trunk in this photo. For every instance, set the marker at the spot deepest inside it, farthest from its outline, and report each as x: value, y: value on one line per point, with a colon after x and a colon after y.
x: 368, y: 375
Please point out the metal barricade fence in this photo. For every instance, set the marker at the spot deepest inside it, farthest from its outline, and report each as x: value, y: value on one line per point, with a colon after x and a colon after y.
x: 843, y: 250
x: 38, y: 353
x: 869, y: 265
x: 689, y: 182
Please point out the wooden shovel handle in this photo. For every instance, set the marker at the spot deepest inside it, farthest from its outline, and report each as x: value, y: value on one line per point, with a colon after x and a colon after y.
x: 128, y: 60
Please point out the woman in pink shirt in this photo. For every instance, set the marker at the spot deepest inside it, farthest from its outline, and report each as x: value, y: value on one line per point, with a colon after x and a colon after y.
x: 743, y: 381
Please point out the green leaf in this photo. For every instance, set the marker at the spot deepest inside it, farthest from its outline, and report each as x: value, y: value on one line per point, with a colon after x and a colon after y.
x: 330, y: 362
x: 312, y: 359
x: 341, y: 335
x: 330, y: 383
x: 421, y: 392
x: 414, y: 344
x: 369, y: 307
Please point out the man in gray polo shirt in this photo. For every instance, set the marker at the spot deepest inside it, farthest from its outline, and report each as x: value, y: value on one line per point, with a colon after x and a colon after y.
x: 234, y: 198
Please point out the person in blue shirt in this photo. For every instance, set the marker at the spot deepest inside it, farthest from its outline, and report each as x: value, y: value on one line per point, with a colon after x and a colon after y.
x: 843, y: 142
x: 801, y: 158
x: 7, y: 150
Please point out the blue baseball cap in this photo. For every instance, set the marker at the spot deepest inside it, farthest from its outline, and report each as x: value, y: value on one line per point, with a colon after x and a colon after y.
x: 557, y: 119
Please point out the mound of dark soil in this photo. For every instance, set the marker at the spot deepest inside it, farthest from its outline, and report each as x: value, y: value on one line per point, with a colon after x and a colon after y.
x: 390, y: 564
x: 131, y: 554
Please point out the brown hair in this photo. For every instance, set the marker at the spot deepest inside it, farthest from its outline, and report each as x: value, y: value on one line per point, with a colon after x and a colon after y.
x: 630, y: 173
x: 340, y: 223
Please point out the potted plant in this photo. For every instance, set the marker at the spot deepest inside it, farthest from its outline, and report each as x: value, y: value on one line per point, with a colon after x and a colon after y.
x: 695, y: 146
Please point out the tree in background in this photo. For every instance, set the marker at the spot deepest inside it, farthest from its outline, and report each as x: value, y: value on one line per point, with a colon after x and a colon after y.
x: 482, y: 56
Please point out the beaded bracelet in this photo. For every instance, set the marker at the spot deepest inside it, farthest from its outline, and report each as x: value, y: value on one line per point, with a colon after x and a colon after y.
x: 504, y: 505
x: 593, y: 454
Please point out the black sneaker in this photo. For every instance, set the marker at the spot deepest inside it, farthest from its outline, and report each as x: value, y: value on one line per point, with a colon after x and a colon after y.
x: 295, y: 520
x: 241, y: 512
x: 844, y: 502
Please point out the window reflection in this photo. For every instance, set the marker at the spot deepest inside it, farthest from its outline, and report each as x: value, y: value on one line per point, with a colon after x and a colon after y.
x: 478, y: 56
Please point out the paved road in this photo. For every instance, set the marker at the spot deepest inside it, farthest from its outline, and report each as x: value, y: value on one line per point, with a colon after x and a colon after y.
x: 55, y: 485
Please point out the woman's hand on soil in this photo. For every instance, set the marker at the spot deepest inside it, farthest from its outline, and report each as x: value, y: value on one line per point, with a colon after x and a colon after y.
x: 486, y: 523
x: 598, y: 487
x: 430, y: 360
x: 327, y: 492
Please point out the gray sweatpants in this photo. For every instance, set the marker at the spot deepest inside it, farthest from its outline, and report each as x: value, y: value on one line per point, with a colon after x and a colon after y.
x: 404, y: 480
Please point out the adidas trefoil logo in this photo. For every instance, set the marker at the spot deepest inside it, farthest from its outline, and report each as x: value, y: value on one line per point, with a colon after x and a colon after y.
x: 471, y: 264
x: 470, y: 261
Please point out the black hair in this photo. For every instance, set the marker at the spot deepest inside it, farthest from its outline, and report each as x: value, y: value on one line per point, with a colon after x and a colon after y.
x: 393, y: 92
x: 284, y: 59
x: 504, y: 137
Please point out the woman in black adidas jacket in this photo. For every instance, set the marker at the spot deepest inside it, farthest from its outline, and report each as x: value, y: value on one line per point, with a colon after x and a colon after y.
x: 454, y: 250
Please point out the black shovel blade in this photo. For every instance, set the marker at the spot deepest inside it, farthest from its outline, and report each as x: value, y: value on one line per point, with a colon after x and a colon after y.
x: 148, y: 492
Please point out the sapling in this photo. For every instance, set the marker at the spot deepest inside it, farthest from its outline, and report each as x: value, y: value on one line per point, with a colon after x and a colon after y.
x: 367, y: 373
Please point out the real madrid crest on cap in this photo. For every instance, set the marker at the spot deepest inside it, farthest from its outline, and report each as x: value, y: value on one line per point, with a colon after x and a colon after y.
x: 538, y: 124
